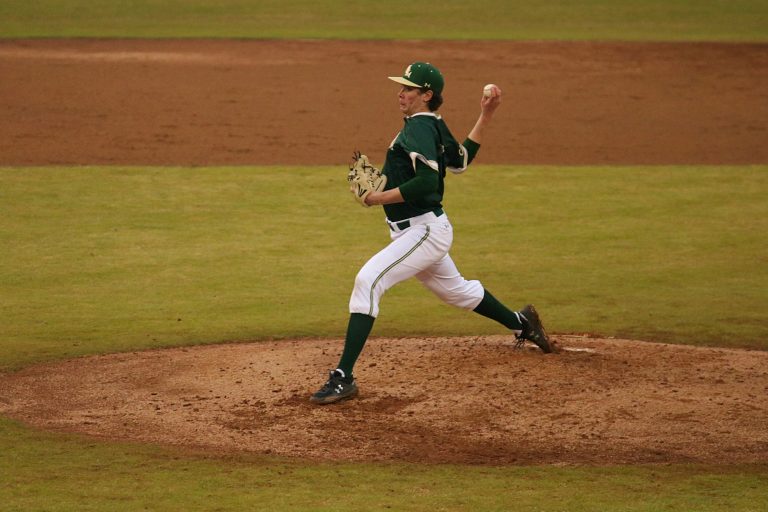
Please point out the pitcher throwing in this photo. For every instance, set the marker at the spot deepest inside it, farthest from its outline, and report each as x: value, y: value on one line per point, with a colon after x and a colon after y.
x: 410, y: 188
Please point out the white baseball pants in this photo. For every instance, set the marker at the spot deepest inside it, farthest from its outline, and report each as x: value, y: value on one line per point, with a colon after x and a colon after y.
x: 420, y: 251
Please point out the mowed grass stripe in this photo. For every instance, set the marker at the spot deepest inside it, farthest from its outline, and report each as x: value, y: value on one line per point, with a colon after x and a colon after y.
x: 643, y: 20
x: 111, y: 259
x: 47, y: 472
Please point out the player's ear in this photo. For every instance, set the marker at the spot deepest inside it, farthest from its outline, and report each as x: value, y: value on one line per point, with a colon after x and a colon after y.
x: 427, y: 95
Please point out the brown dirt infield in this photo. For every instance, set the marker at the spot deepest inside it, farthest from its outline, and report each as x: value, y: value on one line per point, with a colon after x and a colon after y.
x: 314, y: 102
x: 455, y: 400
x: 462, y: 400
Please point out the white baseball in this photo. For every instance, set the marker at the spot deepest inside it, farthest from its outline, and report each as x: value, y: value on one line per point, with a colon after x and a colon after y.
x: 488, y: 90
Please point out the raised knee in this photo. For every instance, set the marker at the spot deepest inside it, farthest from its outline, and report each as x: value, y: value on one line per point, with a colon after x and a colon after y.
x: 363, y: 281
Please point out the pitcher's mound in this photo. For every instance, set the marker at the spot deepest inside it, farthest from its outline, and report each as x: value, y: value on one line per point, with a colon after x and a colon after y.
x: 460, y: 400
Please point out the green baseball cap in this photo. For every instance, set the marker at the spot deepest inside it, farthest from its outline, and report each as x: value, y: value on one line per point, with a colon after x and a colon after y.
x: 422, y: 75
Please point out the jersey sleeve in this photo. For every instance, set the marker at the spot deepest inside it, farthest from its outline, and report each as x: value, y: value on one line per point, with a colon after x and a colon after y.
x: 457, y: 156
x: 420, y: 142
x: 425, y: 182
x: 471, y: 147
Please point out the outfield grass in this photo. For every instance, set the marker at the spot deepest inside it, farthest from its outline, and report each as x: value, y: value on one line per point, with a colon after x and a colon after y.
x: 63, y: 473
x: 637, y: 20
x: 105, y: 259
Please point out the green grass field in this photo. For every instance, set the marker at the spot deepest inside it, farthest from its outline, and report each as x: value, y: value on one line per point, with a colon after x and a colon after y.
x: 106, y: 259
x: 64, y: 473
x: 628, y: 20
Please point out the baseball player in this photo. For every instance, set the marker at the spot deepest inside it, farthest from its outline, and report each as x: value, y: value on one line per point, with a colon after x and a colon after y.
x: 410, y: 188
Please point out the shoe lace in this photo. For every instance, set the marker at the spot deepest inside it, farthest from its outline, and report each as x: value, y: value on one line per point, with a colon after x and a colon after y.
x: 333, y: 381
x: 525, y: 333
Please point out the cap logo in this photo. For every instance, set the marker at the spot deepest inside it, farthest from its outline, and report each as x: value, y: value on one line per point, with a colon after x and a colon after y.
x: 407, y: 72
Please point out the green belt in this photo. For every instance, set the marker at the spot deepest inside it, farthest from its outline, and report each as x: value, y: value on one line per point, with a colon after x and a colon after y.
x: 405, y: 224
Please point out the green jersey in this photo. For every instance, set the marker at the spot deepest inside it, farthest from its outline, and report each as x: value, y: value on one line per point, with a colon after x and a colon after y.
x: 417, y: 161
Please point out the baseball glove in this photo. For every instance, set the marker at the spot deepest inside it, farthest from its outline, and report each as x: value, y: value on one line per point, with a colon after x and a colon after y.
x: 364, y: 178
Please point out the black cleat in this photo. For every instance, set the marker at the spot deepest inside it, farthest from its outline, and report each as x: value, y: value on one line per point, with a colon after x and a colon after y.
x: 534, y: 331
x: 336, y: 389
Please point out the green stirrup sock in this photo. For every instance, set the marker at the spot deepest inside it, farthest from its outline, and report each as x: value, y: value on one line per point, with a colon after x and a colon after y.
x: 359, y: 328
x: 495, y: 310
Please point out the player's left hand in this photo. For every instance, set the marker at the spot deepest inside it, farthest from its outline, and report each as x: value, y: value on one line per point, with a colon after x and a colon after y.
x: 364, y: 178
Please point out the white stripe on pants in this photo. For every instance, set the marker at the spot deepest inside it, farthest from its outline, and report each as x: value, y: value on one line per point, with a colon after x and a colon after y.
x: 419, y: 251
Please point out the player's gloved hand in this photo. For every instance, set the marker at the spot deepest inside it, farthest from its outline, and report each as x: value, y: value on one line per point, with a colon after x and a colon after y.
x: 364, y: 178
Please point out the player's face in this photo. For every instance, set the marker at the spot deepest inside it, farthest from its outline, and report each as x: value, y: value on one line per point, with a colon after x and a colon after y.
x: 413, y: 100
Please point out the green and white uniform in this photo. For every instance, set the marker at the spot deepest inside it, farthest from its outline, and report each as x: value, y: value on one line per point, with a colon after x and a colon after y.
x: 416, y: 163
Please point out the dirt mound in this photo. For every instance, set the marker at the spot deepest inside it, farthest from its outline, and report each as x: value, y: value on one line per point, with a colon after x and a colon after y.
x: 444, y: 400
